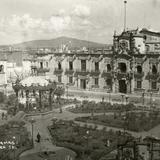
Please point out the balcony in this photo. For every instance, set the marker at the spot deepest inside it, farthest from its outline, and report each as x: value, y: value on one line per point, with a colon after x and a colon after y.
x: 107, y: 74
x: 152, y: 76
x: 69, y: 71
x: 138, y: 75
x: 42, y: 70
x: 139, y: 89
x: 95, y: 86
x: 33, y: 67
x: 153, y: 90
x: 121, y: 75
x: 94, y: 73
x: 58, y: 71
x: 82, y: 72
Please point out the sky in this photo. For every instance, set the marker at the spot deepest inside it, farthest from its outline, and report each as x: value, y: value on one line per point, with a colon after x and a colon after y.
x: 93, y: 20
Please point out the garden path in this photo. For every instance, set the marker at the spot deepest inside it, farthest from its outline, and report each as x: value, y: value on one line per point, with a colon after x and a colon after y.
x: 43, y: 121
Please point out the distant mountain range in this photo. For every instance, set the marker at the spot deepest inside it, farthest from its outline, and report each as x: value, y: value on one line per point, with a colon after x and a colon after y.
x: 57, y: 42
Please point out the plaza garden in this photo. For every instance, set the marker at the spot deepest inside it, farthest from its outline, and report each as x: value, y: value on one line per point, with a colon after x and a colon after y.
x: 124, y: 116
x: 99, y: 107
x: 88, y: 142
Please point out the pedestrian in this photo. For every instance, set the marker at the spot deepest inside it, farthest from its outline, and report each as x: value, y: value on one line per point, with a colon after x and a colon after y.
x: 38, y: 137
x: 2, y: 115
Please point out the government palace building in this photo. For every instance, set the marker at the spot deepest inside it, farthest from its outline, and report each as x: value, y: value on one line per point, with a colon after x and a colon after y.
x: 131, y: 65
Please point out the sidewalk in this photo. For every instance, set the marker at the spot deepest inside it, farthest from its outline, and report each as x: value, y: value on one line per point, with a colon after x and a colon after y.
x: 45, y: 144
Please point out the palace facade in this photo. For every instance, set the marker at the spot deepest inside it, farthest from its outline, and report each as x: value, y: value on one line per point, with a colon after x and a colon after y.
x: 130, y: 65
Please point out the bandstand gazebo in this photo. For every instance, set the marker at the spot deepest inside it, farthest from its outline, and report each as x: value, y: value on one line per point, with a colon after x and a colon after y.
x: 33, y: 91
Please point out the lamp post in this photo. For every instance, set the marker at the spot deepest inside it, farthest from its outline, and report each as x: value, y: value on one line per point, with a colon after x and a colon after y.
x: 143, y: 94
x: 127, y: 99
x: 14, y: 138
x: 151, y: 99
x: 103, y: 105
x: 87, y: 133
x: 122, y: 98
x: 109, y: 96
x: 32, y: 121
x: 67, y: 90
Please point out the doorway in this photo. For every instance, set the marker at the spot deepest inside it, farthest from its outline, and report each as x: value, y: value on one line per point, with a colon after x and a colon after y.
x: 83, y: 84
x: 122, y: 86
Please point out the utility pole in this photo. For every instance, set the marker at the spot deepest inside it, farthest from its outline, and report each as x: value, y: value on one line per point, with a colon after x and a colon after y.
x: 125, y: 2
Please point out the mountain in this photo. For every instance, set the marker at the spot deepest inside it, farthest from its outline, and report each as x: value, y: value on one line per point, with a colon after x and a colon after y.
x: 57, y: 42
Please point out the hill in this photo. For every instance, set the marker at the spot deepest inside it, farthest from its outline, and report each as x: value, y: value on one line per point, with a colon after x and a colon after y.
x: 57, y: 42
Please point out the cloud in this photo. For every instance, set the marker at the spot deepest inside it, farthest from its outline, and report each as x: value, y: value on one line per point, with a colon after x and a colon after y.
x: 28, y: 28
x: 81, y: 11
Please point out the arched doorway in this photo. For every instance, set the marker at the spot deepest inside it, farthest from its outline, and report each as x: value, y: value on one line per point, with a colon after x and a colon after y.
x: 122, y: 86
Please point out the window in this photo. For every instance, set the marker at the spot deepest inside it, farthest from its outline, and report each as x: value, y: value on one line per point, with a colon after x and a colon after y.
x: 71, y: 79
x: 1, y: 68
x: 46, y: 64
x: 41, y: 64
x: 139, y: 84
x: 139, y: 69
x: 154, y: 69
x: 83, y: 65
x: 108, y: 67
x: 122, y: 67
x: 96, y: 66
x: 154, y: 85
x: 96, y: 81
x: 60, y: 79
x: 70, y: 65
x: 59, y: 66
x: 108, y: 82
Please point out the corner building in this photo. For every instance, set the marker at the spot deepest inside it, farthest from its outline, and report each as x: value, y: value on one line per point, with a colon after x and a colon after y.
x: 131, y: 65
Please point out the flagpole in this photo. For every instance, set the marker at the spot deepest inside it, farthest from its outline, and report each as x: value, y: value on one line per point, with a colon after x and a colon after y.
x: 125, y: 2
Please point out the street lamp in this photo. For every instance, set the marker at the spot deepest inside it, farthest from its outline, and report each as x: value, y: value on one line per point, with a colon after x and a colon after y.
x: 32, y: 121
x: 103, y: 105
x: 151, y: 98
x: 14, y: 138
x: 122, y: 98
x: 127, y: 99
x: 143, y: 94
x: 67, y: 90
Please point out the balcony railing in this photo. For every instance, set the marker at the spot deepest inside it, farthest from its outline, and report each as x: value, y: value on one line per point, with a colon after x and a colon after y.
x: 153, y: 90
x: 121, y: 75
x: 58, y: 71
x: 152, y: 76
x: 42, y: 70
x: 94, y: 72
x: 107, y: 74
x: 33, y: 67
x: 95, y: 86
x: 139, y: 89
x: 138, y: 75
x: 82, y: 72
x: 69, y: 71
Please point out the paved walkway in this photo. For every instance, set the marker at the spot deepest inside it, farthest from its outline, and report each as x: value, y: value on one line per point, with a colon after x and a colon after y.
x: 43, y: 121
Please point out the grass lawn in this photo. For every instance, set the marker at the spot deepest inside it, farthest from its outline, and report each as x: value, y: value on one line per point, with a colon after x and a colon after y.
x: 86, y: 142
x: 134, y: 121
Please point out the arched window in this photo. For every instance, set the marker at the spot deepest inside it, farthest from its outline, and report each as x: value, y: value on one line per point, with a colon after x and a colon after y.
x: 59, y: 66
x: 139, y: 69
x: 154, y: 69
x: 108, y: 67
x: 123, y: 67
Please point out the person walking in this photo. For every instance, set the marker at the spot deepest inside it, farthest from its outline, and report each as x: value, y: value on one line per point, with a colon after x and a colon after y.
x: 2, y: 115
x: 38, y: 137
